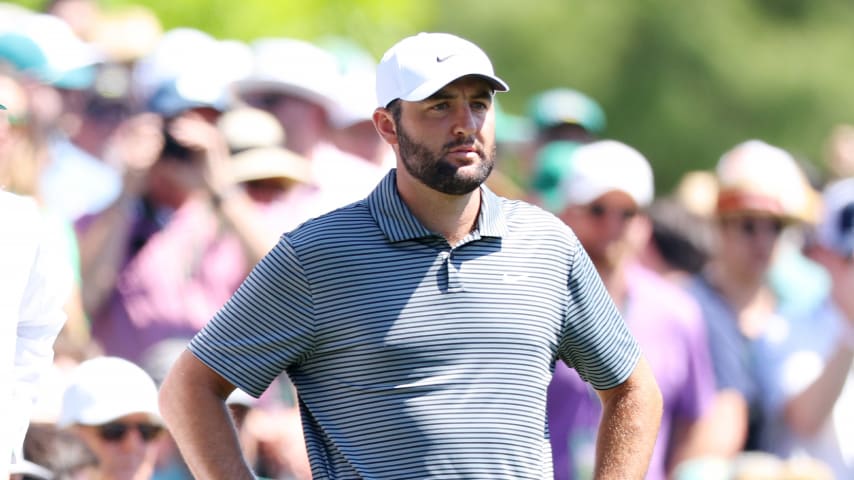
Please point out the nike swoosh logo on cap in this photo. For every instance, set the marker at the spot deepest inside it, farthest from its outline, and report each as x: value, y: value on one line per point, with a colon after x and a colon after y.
x: 442, y: 59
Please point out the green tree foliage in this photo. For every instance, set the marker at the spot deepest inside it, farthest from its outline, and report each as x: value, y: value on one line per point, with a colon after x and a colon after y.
x: 681, y: 81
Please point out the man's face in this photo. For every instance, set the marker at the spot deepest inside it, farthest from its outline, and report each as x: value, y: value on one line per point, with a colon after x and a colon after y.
x: 748, y: 241
x: 447, y: 142
x: 603, y: 227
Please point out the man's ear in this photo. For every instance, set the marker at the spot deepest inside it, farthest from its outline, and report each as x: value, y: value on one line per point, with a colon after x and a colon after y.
x: 384, y: 123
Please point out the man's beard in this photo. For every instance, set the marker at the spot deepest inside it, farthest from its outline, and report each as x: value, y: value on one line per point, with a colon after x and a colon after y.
x: 439, y: 173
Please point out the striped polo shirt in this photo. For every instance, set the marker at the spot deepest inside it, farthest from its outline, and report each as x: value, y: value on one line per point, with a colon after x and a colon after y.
x: 415, y: 359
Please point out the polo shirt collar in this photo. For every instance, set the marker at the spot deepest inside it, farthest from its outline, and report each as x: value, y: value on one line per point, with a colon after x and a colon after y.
x: 399, y: 224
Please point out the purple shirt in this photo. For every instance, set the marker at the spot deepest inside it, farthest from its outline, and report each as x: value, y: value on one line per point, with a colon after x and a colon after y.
x: 668, y: 326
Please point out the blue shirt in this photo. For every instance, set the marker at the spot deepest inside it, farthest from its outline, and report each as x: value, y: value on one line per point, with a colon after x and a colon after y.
x: 413, y: 359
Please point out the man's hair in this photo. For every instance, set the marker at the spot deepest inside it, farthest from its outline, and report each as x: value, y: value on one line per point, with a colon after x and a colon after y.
x: 395, y: 109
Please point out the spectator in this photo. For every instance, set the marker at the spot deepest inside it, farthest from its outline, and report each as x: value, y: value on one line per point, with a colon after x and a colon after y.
x: 303, y: 100
x: 604, y: 193
x: 761, y: 191
x: 111, y: 404
x: 35, y: 284
x: 160, y: 260
x: 565, y: 117
x: 806, y: 361
x: 22, y: 158
x: 566, y: 114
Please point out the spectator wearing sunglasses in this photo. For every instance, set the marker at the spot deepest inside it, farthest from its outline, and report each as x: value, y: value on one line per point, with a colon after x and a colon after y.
x: 112, y: 405
x: 761, y: 192
x: 602, y: 190
x: 808, y: 369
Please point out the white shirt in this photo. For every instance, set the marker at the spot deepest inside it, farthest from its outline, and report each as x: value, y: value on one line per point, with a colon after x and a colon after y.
x: 35, y: 280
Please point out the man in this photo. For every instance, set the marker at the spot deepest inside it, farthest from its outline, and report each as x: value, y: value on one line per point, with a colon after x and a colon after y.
x: 603, y: 191
x: 111, y: 404
x: 761, y: 192
x: 35, y: 282
x: 420, y: 326
x: 807, y: 362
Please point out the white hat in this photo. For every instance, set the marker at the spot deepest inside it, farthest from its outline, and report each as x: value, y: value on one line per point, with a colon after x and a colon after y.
x: 605, y: 166
x: 418, y: 66
x: 248, y: 127
x: 756, y: 176
x: 295, y: 67
x: 103, y: 389
x: 836, y: 228
x: 270, y: 163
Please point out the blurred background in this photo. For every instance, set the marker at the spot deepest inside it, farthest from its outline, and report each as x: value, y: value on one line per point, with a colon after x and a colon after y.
x: 681, y: 81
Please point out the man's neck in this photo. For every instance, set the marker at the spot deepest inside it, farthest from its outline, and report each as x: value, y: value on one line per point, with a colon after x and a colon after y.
x: 452, y: 216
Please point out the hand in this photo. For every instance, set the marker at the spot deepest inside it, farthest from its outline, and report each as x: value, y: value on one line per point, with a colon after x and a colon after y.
x: 137, y: 142
x: 135, y: 146
x: 195, y: 133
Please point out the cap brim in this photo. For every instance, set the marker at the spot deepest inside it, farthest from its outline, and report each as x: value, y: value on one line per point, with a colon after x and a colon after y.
x: 270, y: 163
x: 429, y: 88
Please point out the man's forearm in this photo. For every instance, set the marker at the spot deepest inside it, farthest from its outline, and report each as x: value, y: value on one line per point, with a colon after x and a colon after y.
x: 631, y: 415
x: 201, y: 425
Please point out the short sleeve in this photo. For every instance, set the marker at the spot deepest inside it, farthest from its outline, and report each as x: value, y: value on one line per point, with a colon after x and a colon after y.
x: 266, y: 327
x: 595, y: 340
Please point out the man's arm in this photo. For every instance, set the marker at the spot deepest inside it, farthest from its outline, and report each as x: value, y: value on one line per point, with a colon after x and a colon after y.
x: 192, y: 402
x: 631, y: 414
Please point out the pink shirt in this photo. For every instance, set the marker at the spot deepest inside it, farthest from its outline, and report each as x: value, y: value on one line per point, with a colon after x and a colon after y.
x: 178, y: 279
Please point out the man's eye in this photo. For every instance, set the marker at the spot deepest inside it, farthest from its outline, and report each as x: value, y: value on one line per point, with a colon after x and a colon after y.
x: 440, y: 106
x: 480, y: 106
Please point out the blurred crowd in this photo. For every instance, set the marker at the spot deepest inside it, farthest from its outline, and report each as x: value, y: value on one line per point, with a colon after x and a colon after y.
x: 168, y: 162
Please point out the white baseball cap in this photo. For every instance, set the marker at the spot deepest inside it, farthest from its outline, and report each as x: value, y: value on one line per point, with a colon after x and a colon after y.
x: 294, y: 67
x: 418, y: 66
x: 605, y: 166
x: 104, y: 389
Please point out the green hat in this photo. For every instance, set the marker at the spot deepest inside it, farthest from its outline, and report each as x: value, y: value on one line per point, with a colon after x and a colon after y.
x: 2, y: 107
x: 552, y: 163
x: 564, y: 105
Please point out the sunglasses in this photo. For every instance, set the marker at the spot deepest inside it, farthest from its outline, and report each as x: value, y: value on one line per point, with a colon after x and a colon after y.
x: 751, y: 227
x: 600, y: 211
x: 115, y: 432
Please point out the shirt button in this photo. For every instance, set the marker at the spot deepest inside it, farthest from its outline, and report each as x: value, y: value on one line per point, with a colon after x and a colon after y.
x: 444, y: 255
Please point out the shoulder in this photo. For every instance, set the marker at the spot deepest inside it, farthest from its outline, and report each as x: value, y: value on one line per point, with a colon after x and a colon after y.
x: 351, y: 222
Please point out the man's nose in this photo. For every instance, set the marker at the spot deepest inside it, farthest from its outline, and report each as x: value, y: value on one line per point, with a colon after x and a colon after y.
x: 466, y: 122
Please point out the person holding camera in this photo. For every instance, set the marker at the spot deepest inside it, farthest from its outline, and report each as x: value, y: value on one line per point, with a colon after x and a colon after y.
x: 161, y: 259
